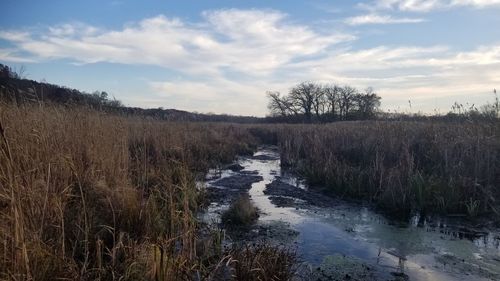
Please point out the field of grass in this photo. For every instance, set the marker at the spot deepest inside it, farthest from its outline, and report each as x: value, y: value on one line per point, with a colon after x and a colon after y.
x: 87, y: 195
x: 91, y: 196
x: 401, y: 166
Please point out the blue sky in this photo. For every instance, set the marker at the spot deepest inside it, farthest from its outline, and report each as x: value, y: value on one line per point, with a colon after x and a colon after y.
x: 222, y: 56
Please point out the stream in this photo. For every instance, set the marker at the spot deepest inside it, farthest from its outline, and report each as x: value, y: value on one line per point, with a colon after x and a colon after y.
x: 340, y: 240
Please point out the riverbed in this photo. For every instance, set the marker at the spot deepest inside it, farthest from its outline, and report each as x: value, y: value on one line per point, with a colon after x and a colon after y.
x: 340, y: 240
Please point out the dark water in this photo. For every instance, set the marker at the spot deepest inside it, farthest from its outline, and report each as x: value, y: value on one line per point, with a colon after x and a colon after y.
x: 422, y: 248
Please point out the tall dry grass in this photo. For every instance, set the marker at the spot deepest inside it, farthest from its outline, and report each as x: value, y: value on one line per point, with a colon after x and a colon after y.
x: 90, y: 196
x: 401, y: 166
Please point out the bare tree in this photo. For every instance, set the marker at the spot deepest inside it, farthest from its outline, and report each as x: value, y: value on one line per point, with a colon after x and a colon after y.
x: 332, y: 96
x: 319, y: 102
x: 281, y: 105
x: 367, y: 103
x: 302, y: 97
x: 276, y: 104
x: 346, y: 101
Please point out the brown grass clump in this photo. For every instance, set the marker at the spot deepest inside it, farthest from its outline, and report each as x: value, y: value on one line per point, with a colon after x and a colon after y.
x: 263, y: 262
x: 90, y: 196
x: 241, y: 213
x: 437, y: 167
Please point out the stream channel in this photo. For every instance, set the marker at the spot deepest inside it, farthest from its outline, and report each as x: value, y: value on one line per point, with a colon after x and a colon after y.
x: 340, y: 240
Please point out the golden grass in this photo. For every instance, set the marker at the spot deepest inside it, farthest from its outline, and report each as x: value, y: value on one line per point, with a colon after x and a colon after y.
x: 90, y: 196
x: 86, y: 195
x: 401, y: 166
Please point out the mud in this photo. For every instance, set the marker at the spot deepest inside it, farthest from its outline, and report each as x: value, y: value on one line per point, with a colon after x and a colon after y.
x: 289, y: 195
x: 240, y: 181
x: 276, y: 233
x: 461, y: 266
x: 339, y: 240
x: 342, y: 268
x: 219, y: 195
x: 235, y: 167
x: 224, y: 190
x: 264, y: 157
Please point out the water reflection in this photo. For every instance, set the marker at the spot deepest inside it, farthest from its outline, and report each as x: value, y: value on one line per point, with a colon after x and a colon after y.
x: 425, y: 248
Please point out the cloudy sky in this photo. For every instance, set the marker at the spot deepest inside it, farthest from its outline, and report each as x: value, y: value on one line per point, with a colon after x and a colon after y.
x: 222, y: 56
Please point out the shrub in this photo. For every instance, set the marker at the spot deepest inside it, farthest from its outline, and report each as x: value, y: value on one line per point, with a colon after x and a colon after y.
x: 241, y: 213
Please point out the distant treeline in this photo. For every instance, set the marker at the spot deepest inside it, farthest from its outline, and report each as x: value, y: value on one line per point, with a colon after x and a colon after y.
x: 307, y: 102
x: 310, y: 102
x: 15, y: 89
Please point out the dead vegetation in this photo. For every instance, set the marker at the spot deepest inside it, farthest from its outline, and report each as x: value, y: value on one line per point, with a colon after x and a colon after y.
x: 263, y: 262
x: 241, y: 213
x: 401, y: 166
x: 86, y: 195
x: 90, y: 196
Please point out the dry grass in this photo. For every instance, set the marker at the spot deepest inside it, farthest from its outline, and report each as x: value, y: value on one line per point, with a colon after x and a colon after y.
x: 401, y: 166
x: 241, y: 213
x: 90, y: 196
x: 263, y: 262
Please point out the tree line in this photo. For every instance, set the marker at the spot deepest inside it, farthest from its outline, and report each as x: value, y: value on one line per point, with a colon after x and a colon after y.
x: 315, y: 102
x: 306, y: 102
x: 16, y: 89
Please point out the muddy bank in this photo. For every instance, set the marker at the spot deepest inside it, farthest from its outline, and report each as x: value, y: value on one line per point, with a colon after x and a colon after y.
x: 275, y: 233
x: 343, y: 268
x: 466, y: 268
x: 340, y: 240
x: 226, y: 189
x: 217, y: 195
x: 265, y: 157
x: 283, y: 194
x: 242, y: 181
x: 235, y: 167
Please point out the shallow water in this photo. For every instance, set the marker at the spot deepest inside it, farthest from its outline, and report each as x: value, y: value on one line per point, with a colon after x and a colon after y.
x: 422, y: 248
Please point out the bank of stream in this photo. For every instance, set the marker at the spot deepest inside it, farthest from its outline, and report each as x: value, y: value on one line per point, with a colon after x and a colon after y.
x: 338, y: 240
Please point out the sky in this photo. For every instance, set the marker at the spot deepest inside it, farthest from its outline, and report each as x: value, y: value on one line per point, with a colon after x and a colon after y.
x: 215, y: 56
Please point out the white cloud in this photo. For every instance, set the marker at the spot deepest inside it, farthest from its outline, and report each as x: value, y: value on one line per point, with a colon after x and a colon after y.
x: 15, y: 36
x: 250, y: 41
x: 10, y: 55
x: 380, y: 19
x: 424, y: 74
x: 218, y: 95
x: 428, y: 5
x: 231, y: 57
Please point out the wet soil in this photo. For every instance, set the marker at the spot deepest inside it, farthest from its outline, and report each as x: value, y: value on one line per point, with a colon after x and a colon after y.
x: 225, y: 190
x: 235, y: 167
x: 343, y: 268
x: 283, y: 194
x: 238, y: 181
x: 339, y: 240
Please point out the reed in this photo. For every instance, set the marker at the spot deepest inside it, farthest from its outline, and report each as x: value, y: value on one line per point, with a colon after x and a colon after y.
x: 86, y: 195
x: 263, y: 262
x: 91, y: 196
x: 401, y: 166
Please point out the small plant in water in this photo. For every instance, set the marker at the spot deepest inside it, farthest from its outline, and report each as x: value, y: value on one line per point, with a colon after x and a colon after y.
x: 241, y: 213
x: 472, y: 207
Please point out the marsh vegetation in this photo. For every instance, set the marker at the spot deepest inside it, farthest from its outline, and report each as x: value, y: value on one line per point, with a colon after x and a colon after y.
x: 401, y: 166
x: 90, y: 193
x: 241, y: 213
